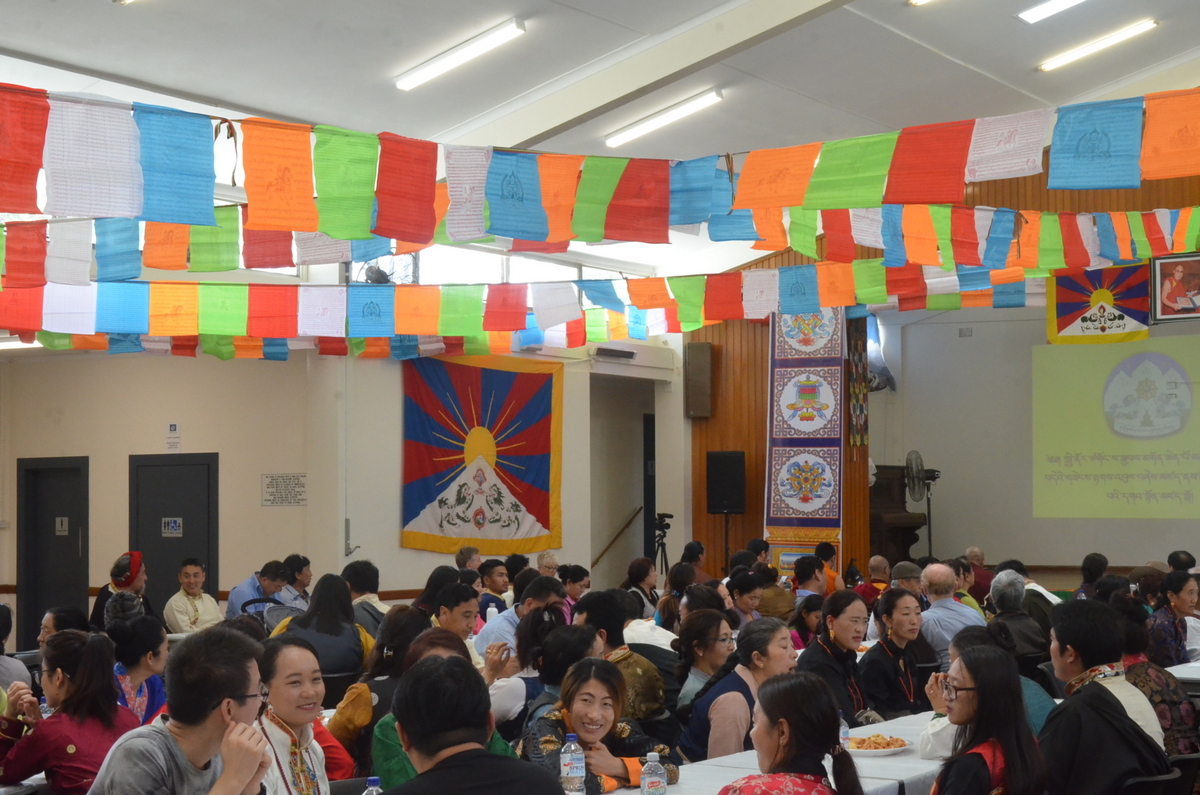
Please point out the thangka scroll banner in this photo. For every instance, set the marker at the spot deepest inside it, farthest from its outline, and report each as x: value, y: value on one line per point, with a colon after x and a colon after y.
x: 482, y: 454
x: 1097, y: 306
x: 805, y: 431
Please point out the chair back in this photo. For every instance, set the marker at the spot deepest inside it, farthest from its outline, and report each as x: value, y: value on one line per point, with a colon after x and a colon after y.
x: 1188, y: 766
x: 1056, y: 688
x: 1151, y: 785
x: 274, y: 614
x: 351, y: 786
x: 336, y: 686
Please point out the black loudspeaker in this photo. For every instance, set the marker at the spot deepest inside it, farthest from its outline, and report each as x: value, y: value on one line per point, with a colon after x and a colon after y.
x: 726, y: 482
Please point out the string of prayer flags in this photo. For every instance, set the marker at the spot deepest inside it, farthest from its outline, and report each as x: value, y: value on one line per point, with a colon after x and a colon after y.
x: 760, y: 293
x: 370, y: 308
x: 405, y: 189
x: 117, y: 254
x: 851, y: 173
x: 174, y: 309
x: 224, y: 309
x: 601, y: 292
x: 839, y: 235
x: 271, y: 310
x: 69, y: 252
x: 215, y: 248
x: 692, y: 190
x: 263, y: 249
x: 689, y: 300
x: 466, y: 181
x: 91, y: 158
x: 554, y: 303
x: 798, y: 290
x: 768, y: 225
x: 776, y: 177
x: 506, y: 307
x: 166, y: 246
x: 514, y: 195
x: 723, y: 297
x: 176, y: 156
x: 929, y: 164
x: 1171, y: 139
x: 1097, y: 145
x: 461, y: 311
x: 1005, y: 147
x: 317, y: 248
x: 344, y: 164
x: 417, y: 308
x: 597, y: 182
x: 640, y: 208
x: 559, y: 180
x: 725, y: 223
x: 25, y: 255
x: 123, y: 308
x: 650, y: 294
x: 69, y: 308
x: 24, y: 113
x: 278, y: 161
x: 321, y: 311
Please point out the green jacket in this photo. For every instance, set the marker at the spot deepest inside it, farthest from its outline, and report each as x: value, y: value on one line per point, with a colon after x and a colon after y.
x: 391, y: 762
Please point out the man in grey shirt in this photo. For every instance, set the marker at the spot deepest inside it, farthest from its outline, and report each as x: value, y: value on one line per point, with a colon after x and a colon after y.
x: 209, y: 744
x: 945, y: 616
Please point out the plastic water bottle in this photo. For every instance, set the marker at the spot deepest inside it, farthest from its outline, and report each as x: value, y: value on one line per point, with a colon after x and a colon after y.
x: 654, y: 776
x: 571, y: 766
x: 373, y: 787
x: 492, y: 612
x: 45, y: 708
x: 844, y: 730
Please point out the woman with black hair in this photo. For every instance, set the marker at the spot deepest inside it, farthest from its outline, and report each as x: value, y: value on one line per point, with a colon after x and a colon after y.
x: 342, y: 646
x: 833, y: 655
x: 640, y: 580
x: 438, y: 579
x: 795, y: 728
x: 679, y: 578
x: 994, y: 749
x: 576, y: 580
x: 805, y: 623
x: 746, y: 589
x: 295, y: 593
x: 561, y: 649
x: 512, y: 695
x: 70, y: 745
x: 1168, y: 632
x: 1094, y: 567
x: 704, y: 643
x: 889, y: 668
x: 141, y: 657
x: 291, y: 678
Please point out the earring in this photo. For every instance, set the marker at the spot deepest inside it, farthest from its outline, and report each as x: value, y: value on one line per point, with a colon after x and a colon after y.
x: 832, y: 634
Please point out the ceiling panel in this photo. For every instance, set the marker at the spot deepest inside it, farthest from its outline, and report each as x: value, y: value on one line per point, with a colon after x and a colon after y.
x: 650, y: 17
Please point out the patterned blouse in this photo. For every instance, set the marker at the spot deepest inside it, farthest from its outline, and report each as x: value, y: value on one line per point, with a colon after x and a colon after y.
x: 779, y: 784
x: 1171, y: 704
x: 1168, y: 638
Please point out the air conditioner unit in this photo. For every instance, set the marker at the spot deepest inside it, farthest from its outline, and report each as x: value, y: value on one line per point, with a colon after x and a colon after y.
x: 616, y: 354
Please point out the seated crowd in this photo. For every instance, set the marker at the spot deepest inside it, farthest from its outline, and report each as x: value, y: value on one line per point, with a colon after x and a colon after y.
x: 498, y: 664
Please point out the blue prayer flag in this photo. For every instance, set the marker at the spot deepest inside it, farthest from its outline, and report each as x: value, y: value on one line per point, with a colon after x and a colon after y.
x: 404, y: 346
x: 601, y: 292
x: 117, y: 255
x: 1008, y: 296
x: 532, y: 336
x: 999, y: 239
x: 895, y: 253
x: 723, y: 224
x: 798, y: 290
x: 177, y: 165
x: 1097, y: 145
x: 974, y: 278
x: 275, y: 349
x: 123, y: 308
x: 856, y: 311
x: 692, y: 190
x: 125, y: 343
x: 514, y: 195
x: 371, y: 310
x: 637, y: 323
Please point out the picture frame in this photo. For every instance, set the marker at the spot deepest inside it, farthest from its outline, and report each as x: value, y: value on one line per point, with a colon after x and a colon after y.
x: 1175, y: 288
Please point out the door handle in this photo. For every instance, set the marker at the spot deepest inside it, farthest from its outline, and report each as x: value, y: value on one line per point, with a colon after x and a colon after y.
x: 81, y: 542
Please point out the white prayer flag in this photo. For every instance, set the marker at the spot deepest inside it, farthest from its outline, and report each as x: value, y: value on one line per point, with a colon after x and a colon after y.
x: 1003, y: 147
x: 1091, y: 242
x: 554, y: 303
x: 656, y: 322
x: 91, y: 157
x: 322, y: 311
x: 430, y: 345
x: 938, y: 281
x: 69, y: 252
x: 760, y: 293
x: 866, y: 226
x: 69, y: 308
x: 466, y: 179
x: 160, y: 346
x: 316, y: 248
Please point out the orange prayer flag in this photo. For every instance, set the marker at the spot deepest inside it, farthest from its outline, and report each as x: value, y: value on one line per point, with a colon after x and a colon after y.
x: 500, y: 342
x: 247, y: 348
x: 174, y: 309
x: 441, y: 203
x: 1124, y: 235
x: 1007, y: 275
x: 618, y: 326
x: 920, y: 236
x: 1171, y: 140
x: 835, y: 283
x: 89, y: 342
x: 166, y: 246
x: 376, y: 348
x: 768, y: 223
x: 559, y: 176
x: 976, y: 298
x: 279, y: 176
x: 776, y: 177
x: 1179, y: 241
x: 1024, y: 253
x: 417, y: 308
x: 650, y: 294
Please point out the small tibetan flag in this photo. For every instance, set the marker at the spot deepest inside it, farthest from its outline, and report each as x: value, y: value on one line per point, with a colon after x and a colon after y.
x: 272, y: 310
x: 174, y: 309
x: 692, y: 190
x: 215, y: 248
x: 597, y: 183
x: 461, y: 311
x: 560, y: 179
x: 723, y: 297
x: 279, y: 176
x: 506, y: 307
x: 123, y: 307
x: 224, y: 309
x: 344, y: 163
x: 725, y: 223
x: 25, y: 255
x: 1171, y: 141
x: 514, y: 195
x: 24, y: 113
x: 851, y: 173
x: 417, y: 308
x: 929, y: 164
x: 166, y: 246
x: 641, y: 203
x: 265, y: 249
x: 369, y: 309
x: 405, y: 189
x: 177, y: 165
x: 776, y: 177
x: 117, y: 255
x: 1097, y: 306
x: 1097, y: 145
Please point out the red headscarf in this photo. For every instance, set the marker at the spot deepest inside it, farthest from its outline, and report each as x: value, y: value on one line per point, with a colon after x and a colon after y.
x: 135, y: 568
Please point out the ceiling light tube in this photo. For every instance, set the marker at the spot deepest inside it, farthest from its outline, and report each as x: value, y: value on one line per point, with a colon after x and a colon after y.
x: 664, y: 117
x: 1049, y: 9
x: 1098, y: 44
x: 917, y: 2
x: 459, y: 55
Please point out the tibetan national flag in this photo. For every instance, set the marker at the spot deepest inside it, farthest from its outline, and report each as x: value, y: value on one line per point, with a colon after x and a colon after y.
x: 1104, y: 305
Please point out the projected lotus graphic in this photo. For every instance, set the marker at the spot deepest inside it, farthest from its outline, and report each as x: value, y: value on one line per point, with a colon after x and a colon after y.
x: 1147, y: 396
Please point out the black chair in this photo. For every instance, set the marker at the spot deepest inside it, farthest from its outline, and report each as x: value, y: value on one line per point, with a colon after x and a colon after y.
x: 1151, y: 785
x: 351, y: 786
x: 336, y: 686
x: 1188, y: 766
x: 1056, y: 688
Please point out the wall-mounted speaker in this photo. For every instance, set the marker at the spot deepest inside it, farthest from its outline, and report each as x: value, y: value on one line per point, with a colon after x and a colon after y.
x: 725, y: 483
x: 697, y: 379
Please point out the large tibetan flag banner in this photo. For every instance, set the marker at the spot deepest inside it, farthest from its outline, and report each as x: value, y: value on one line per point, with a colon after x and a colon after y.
x: 482, y: 454
x: 1103, y: 305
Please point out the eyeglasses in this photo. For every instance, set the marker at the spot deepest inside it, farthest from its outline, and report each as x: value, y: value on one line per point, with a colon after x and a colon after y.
x: 724, y: 639
x: 951, y: 692
x: 261, y: 694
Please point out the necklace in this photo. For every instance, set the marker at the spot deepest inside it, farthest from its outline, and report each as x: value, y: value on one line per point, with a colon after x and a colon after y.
x: 855, y: 694
x: 908, y: 689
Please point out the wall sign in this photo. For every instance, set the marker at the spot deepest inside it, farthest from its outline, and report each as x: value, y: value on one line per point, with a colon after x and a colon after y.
x: 61, y: 527
x: 285, y: 490
x: 172, y: 527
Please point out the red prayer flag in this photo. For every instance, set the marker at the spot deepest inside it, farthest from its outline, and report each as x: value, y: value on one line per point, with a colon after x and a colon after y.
x: 673, y: 326
x: 929, y: 164
x: 25, y: 253
x: 540, y: 246
x: 1154, y: 233
x: 963, y: 236
x: 507, y: 305
x: 906, y: 281
x: 454, y: 346
x: 723, y: 297
x: 272, y: 310
x: 839, y: 238
x: 332, y: 346
x: 263, y: 249
x: 21, y: 309
x: 577, y: 332
x: 185, y: 346
x: 405, y: 188
x: 640, y: 209
x: 1075, y: 253
x: 23, y: 116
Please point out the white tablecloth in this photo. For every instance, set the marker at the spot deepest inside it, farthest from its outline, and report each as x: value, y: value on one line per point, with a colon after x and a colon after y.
x: 1188, y: 672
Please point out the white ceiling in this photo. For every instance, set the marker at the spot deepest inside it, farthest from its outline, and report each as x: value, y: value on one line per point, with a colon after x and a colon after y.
x: 792, y: 71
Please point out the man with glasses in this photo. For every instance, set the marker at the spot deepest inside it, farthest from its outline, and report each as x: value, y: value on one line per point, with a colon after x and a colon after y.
x: 945, y: 616
x: 209, y: 743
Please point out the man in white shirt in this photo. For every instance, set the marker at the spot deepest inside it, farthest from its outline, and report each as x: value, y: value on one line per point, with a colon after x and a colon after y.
x: 191, y: 610
x: 540, y: 592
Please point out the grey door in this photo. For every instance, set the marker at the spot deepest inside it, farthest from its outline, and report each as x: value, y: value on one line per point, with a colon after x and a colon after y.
x: 173, y: 516
x: 52, y: 541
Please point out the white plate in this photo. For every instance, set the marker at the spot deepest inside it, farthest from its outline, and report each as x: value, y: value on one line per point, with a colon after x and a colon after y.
x: 878, y: 752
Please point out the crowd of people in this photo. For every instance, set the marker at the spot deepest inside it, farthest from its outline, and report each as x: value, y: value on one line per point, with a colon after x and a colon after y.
x: 480, y: 681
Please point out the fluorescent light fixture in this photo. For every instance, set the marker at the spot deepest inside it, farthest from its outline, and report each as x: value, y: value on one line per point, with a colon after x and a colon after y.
x: 917, y: 2
x: 1048, y: 9
x: 1099, y: 44
x: 664, y: 117
x: 459, y: 55
x: 15, y: 342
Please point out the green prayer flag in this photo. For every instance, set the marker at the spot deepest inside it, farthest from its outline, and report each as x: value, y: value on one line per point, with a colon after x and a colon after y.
x: 477, y: 345
x: 1137, y: 230
x: 689, y: 296
x: 802, y: 230
x: 356, y: 345
x: 597, y: 183
x: 940, y: 303
x: 1191, y: 237
x: 870, y: 281
x: 1050, y: 244
x: 224, y: 309
x: 597, y: 324
x: 940, y: 213
x: 55, y: 341
x: 215, y: 248
x: 461, y: 311
x: 344, y: 164
x: 851, y: 173
x: 219, y: 345
x: 441, y: 238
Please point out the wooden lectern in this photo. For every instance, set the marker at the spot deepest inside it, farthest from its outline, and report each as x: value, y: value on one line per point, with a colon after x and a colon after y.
x: 893, y: 527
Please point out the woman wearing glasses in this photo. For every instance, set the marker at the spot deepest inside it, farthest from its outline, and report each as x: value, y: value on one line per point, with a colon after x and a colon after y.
x: 833, y: 655
x: 704, y: 643
x: 994, y: 750
x: 291, y: 676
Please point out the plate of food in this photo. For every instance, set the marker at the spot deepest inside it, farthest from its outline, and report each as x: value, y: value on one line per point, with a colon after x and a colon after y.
x: 876, y: 745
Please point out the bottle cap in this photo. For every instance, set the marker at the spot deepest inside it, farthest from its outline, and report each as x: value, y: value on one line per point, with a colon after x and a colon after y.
x: 372, y: 781
x: 652, y: 757
x: 571, y: 738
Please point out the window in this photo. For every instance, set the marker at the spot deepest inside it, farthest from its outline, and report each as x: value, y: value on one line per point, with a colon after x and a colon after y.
x: 452, y: 265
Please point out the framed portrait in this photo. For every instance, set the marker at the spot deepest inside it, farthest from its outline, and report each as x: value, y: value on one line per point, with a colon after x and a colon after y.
x: 1175, y: 288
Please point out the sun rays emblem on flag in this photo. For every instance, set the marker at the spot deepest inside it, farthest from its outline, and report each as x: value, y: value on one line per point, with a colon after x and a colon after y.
x: 480, y: 455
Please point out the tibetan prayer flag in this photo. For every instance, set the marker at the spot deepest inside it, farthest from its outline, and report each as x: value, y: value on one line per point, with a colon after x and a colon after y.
x: 943, y: 302
x: 54, y: 340
x: 1007, y: 275
x: 597, y: 183
x: 971, y: 278
x: 418, y: 307
x: 405, y: 188
x: 768, y: 225
x: 279, y: 176
x: 370, y: 249
x: 89, y: 342
x: 999, y: 239
x: 1009, y: 296
x: 215, y: 248
x: 369, y: 308
x: 723, y: 297
x: 531, y: 336
x: 461, y: 311
x: 776, y: 177
x: 560, y: 179
x: 940, y: 215
x: 404, y: 346
x: 321, y: 311
x: 939, y: 281
x: 69, y: 252
x: 760, y: 292
x: 1051, y: 252
x: 224, y: 309
x: 247, y: 347
x: 867, y: 226
x: 554, y: 303
x: 1096, y: 306
x: 601, y: 293
x: 174, y: 309
x: 1124, y: 235
x: 839, y: 235
x: 725, y: 223
x: 317, y: 248
x: 466, y: 181
x: 344, y: 163
x: 894, y: 252
x: 929, y: 164
x: 123, y: 307
x: 851, y: 173
x: 166, y: 246
x: 124, y: 343
x: 576, y: 333
x: 641, y: 203
x: 69, y: 308
x: 1181, y: 242
x: 499, y: 342
x: 117, y: 255
x: 692, y: 190
x: 1097, y: 145
x: 964, y: 236
x: 1139, y: 243
x: 689, y: 297
x: 540, y: 247
x: 798, y: 290
x: 332, y: 346
x: 272, y: 309
x: 637, y: 324
x: 1086, y: 227
x: 2, y: 236
x: 218, y: 345
x: 1025, y: 253
x: 23, y: 116
x: 870, y: 281
x: 514, y: 195
x: 91, y: 159
x: 977, y: 298
x: 596, y: 324
x: 1074, y: 250
x: 650, y: 294
x: 262, y: 249
x: 1159, y: 247
x: 25, y: 255
x: 1171, y: 141
x: 835, y: 283
x: 506, y: 307
x: 618, y: 326
x: 906, y: 281
x: 1004, y: 147
x: 176, y: 155
x: 920, y: 236
x: 21, y: 309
